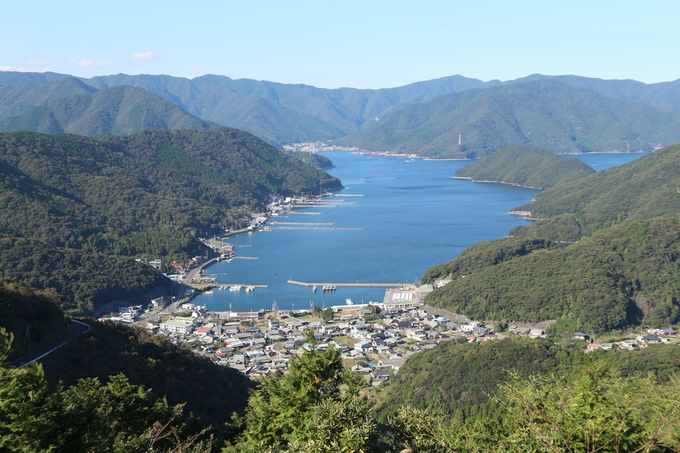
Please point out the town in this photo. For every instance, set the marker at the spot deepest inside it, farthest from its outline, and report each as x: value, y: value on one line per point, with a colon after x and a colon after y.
x: 375, y: 339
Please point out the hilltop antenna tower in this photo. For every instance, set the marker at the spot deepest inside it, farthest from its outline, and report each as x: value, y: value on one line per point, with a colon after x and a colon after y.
x: 460, y: 139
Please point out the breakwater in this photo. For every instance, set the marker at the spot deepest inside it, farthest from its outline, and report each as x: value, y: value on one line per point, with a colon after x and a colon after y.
x: 348, y: 285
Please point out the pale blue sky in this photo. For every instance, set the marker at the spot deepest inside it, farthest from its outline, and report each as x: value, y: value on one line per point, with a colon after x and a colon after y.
x: 362, y: 44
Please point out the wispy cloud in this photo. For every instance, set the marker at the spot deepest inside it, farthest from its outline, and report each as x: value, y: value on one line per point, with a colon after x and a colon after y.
x: 85, y: 63
x: 142, y: 56
x: 11, y: 68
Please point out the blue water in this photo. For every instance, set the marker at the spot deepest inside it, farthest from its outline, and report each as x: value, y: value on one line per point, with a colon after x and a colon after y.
x: 412, y: 215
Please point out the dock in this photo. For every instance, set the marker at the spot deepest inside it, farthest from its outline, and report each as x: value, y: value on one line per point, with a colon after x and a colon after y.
x: 242, y: 285
x: 349, y: 285
x: 313, y: 228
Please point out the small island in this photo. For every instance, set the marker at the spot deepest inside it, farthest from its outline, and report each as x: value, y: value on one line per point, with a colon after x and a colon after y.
x: 534, y: 168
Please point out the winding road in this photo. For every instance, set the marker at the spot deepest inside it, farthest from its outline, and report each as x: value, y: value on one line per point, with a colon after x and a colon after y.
x: 75, y: 328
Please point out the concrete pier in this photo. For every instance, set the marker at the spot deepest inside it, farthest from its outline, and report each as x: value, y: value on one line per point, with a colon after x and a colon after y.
x: 349, y: 285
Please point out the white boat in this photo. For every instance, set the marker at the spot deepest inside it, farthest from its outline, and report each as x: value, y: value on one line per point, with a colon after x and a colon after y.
x: 250, y: 288
x: 235, y: 288
x: 349, y: 302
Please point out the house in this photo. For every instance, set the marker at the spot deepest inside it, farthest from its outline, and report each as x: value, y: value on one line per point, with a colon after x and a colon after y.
x: 361, y: 369
x: 651, y: 339
x: 580, y: 336
x: 380, y: 376
x: 394, y: 363
x: 177, y: 326
x: 363, y: 346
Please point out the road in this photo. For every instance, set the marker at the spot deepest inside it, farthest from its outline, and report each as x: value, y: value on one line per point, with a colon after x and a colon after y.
x: 75, y: 328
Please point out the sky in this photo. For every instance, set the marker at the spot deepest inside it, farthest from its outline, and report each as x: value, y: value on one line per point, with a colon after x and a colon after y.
x: 347, y: 43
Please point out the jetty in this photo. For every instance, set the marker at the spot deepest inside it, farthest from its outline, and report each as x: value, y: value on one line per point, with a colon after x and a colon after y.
x: 349, y: 285
x: 313, y: 228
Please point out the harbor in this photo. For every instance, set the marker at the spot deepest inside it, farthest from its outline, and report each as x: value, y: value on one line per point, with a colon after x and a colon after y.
x: 365, y: 239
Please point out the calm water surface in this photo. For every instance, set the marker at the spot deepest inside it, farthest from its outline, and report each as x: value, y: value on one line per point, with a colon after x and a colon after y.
x: 411, y: 215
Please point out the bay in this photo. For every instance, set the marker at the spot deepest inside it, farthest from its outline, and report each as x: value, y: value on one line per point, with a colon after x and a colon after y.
x: 400, y: 217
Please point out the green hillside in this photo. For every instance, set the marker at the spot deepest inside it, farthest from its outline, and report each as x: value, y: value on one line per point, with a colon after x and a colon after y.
x: 543, y: 114
x: 137, y: 194
x: 620, y: 276
x: 464, y: 383
x: 149, y: 195
x: 32, y: 317
x: 15, y: 99
x: 84, y: 280
x: 644, y: 188
x: 120, y: 110
x: 527, y: 167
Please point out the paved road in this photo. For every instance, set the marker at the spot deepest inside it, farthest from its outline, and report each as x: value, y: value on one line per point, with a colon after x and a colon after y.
x: 75, y: 328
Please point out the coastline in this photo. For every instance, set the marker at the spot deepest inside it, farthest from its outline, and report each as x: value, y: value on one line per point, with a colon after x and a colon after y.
x: 500, y: 182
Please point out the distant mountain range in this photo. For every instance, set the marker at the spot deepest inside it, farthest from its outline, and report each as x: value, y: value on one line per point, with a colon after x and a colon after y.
x: 120, y: 110
x: 429, y: 118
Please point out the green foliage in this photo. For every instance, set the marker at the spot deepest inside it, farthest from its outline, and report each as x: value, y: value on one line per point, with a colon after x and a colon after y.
x: 642, y: 189
x: 289, y: 412
x: 486, y: 253
x: 117, y: 417
x: 84, y: 280
x: 593, y: 413
x: 32, y: 317
x: 153, y: 194
x: 313, y: 159
x: 528, y: 167
x: 126, y: 193
x: 119, y: 111
x: 455, y: 380
x: 542, y: 114
x: 325, y: 315
x: 610, y: 280
x: 208, y: 391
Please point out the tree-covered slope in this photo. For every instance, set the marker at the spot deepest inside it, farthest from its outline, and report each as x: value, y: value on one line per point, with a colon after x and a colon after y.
x: 619, y: 276
x: 120, y: 110
x: 527, y: 167
x: 84, y: 280
x: 210, y: 391
x: 458, y: 379
x: 32, y: 317
x: 644, y: 188
x: 15, y: 99
x: 464, y: 383
x: 544, y: 114
x: 140, y: 194
x: 486, y: 253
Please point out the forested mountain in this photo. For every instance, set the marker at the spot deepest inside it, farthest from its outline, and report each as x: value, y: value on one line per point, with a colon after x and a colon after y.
x: 663, y: 95
x: 286, y: 113
x: 15, y: 99
x: 113, y: 385
x: 527, y: 167
x: 644, y: 188
x: 618, y: 277
x: 460, y: 380
x: 120, y: 110
x: 84, y: 280
x: 210, y: 391
x: 141, y: 193
x: 152, y: 194
x: 32, y: 317
x: 544, y: 114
